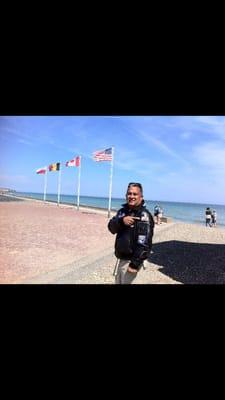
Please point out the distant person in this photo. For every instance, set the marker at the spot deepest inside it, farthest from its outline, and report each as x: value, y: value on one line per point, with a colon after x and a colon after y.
x: 214, y: 218
x: 158, y: 214
x: 208, y: 217
x: 134, y: 227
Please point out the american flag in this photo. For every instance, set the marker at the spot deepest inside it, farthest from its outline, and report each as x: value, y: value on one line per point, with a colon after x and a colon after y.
x: 103, y: 155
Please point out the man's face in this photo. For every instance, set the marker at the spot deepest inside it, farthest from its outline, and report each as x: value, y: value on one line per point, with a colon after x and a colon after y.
x: 134, y: 196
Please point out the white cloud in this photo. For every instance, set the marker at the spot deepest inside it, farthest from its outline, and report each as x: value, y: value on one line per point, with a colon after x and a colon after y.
x: 13, y: 179
x: 129, y: 161
x: 211, y: 120
x: 26, y: 142
x: 21, y: 137
x: 211, y: 155
x: 150, y: 140
x: 213, y: 125
x: 185, y: 135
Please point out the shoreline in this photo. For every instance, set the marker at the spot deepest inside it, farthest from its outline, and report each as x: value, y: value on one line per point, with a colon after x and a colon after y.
x: 92, y: 209
x: 104, y: 211
x: 61, y: 205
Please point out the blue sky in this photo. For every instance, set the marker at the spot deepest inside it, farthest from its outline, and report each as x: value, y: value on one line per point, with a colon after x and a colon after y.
x: 176, y: 158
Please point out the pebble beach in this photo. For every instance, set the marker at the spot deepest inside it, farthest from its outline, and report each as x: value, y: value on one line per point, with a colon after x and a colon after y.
x: 42, y: 243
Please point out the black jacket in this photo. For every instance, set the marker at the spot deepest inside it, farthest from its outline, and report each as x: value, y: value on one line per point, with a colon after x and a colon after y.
x: 133, y: 243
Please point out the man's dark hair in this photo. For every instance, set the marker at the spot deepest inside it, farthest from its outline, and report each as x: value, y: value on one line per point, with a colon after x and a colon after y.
x: 139, y: 185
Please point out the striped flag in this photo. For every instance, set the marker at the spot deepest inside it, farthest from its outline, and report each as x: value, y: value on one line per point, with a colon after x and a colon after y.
x: 75, y: 162
x: 41, y: 170
x: 103, y: 155
x: 54, y: 167
x: 106, y: 155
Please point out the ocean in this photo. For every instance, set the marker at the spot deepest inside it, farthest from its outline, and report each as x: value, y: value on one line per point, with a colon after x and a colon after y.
x: 183, y: 212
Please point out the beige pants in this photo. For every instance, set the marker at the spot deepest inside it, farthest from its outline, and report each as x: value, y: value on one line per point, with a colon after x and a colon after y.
x: 124, y: 277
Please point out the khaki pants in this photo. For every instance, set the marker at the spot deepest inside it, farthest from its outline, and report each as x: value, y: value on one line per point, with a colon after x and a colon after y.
x: 124, y: 277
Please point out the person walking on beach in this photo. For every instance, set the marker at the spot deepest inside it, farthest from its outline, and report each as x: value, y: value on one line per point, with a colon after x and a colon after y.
x: 158, y: 214
x: 208, y: 217
x: 214, y: 217
x: 134, y: 227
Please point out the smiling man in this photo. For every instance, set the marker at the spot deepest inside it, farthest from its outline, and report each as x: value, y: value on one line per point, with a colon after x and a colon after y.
x: 134, y: 226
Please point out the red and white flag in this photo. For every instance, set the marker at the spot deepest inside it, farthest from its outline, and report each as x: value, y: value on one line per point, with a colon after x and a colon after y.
x: 41, y: 170
x: 75, y: 162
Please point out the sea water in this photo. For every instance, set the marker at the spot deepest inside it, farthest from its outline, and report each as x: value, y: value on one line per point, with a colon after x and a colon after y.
x: 184, y: 212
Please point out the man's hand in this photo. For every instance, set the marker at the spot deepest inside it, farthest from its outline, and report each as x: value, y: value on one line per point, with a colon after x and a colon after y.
x: 131, y: 270
x: 129, y: 221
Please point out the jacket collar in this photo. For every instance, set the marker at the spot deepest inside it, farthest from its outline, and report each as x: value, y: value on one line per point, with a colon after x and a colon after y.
x: 143, y: 204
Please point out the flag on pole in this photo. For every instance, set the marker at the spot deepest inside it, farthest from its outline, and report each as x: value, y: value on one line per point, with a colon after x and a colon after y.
x: 54, y: 167
x: 41, y: 170
x: 106, y: 155
x: 103, y: 155
x: 59, y: 180
x: 75, y: 162
x: 78, y: 164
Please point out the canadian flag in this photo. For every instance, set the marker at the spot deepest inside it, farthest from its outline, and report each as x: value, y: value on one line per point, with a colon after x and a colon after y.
x: 41, y: 170
x: 75, y: 162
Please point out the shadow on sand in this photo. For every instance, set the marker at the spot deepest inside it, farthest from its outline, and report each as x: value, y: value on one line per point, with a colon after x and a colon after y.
x: 190, y: 263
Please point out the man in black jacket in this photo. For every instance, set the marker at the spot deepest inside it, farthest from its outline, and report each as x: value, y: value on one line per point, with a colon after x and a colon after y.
x: 134, y: 226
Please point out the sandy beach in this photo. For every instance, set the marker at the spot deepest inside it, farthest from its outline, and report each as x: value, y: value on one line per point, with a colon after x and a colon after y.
x: 43, y: 243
